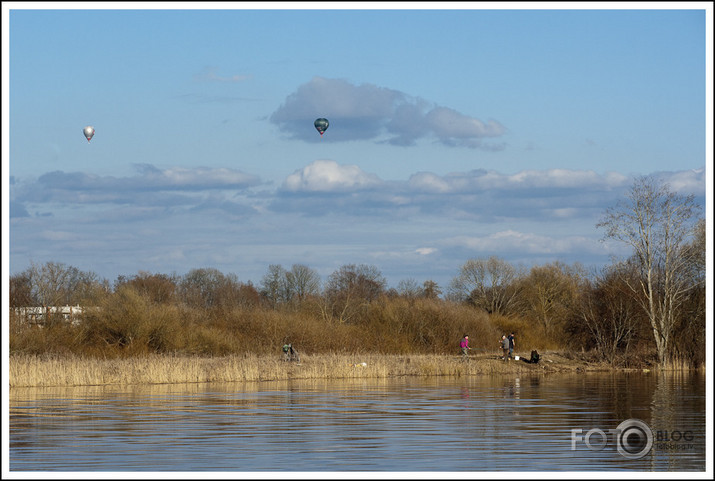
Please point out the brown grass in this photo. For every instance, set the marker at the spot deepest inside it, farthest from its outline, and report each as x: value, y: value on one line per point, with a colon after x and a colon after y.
x: 25, y: 371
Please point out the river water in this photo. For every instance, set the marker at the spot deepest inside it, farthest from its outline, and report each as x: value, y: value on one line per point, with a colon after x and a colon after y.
x: 634, y: 422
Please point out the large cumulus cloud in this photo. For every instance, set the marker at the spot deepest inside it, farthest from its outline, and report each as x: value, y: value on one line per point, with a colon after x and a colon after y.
x: 370, y: 112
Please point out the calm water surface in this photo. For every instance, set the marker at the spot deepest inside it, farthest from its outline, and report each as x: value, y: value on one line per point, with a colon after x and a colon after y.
x: 481, y: 423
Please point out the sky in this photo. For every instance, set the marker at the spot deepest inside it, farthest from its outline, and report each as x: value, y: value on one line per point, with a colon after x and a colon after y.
x: 457, y: 131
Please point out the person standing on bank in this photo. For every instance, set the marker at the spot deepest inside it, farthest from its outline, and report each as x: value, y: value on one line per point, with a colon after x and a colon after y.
x: 511, y: 345
x: 505, y: 347
x: 464, y: 345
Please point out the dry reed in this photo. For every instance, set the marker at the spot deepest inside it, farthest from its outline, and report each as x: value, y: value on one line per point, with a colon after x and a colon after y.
x: 27, y: 371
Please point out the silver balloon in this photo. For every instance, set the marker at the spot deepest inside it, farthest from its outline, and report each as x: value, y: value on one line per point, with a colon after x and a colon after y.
x: 89, y: 132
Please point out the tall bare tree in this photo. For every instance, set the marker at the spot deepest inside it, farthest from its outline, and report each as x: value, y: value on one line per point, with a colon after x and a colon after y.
x: 302, y: 282
x: 273, y: 285
x: 487, y: 283
x: 657, y: 224
x: 350, y: 289
x: 282, y: 287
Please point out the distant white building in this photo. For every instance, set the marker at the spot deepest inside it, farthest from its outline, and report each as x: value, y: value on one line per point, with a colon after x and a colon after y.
x: 40, y: 315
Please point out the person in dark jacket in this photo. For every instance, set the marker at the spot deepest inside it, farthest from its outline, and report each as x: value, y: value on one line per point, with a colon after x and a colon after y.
x: 511, y: 345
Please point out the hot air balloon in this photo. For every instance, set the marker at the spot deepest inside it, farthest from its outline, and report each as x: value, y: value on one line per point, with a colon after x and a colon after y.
x: 321, y: 125
x: 88, y: 132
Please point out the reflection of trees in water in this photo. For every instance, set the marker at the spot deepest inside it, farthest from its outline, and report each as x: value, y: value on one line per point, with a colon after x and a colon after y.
x: 629, y: 396
x: 676, y: 397
x: 663, y: 406
x: 651, y: 397
x: 670, y: 402
x: 613, y: 397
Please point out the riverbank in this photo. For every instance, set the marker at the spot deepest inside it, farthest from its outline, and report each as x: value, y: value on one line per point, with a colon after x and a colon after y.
x: 29, y: 371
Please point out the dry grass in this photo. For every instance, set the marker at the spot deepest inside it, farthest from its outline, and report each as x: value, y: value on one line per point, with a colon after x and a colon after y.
x: 26, y: 371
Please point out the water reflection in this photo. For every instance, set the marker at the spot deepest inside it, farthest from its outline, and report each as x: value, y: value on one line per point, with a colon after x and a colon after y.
x: 482, y: 423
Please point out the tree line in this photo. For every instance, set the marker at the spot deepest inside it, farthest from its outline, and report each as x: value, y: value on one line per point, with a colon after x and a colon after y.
x: 649, y: 306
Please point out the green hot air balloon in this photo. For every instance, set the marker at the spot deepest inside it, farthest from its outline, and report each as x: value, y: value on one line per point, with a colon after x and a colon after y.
x: 321, y: 125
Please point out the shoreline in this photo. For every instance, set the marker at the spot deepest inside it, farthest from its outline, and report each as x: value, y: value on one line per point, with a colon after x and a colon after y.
x: 33, y: 371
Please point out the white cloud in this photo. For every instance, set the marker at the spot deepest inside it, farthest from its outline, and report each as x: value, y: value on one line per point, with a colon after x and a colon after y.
x: 194, y: 178
x: 685, y: 181
x: 152, y: 192
x: 86, y: 187
x: 324, y: 215
x: 478, y: 195
x: 429, y: 182
x: 338, y: 99
x: 447, y: 123
x: 329, y: 176
x: 565, y: 212
x: 385, y: 115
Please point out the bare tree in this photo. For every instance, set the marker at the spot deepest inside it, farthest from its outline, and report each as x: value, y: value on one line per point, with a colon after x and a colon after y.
x: 549, y: 295
x: 280, y: 286
x: 609, y: 312
x: 21, y: 290
x: 208, y: 288
x: 302, y: 282
x: 55, y: 284
x: 657, y: 224
x: 690, y: 340
x: 273, y: 285
x: 409, y: 288
x: 487, y: 283
x: 430, y: 289
x: 50, y: 283
x: 351, y: 288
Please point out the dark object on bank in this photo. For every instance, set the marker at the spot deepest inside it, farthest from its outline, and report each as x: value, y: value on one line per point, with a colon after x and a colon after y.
x: 290, y: 353
x: 534, y: 358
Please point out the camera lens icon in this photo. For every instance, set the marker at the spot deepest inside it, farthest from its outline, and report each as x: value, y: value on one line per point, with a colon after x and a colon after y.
x: 634, y: 439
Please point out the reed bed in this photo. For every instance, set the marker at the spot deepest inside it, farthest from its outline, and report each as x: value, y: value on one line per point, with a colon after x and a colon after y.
x: 36, y: 371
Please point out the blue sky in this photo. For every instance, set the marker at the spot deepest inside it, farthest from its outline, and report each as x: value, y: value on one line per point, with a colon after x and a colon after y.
x: 456, y: 132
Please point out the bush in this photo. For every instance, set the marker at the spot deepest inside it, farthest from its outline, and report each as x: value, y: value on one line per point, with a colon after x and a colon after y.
x: 129, y: 322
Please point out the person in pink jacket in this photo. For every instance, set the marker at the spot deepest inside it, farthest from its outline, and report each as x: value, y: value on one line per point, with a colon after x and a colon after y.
x: 464, y: 345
